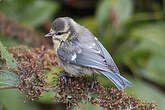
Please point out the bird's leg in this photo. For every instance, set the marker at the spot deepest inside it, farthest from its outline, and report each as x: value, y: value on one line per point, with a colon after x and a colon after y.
x: 93, y: 81
x: 64, y: 75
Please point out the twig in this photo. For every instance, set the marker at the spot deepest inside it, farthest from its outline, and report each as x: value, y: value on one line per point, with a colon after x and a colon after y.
x: 8, y: 87
x: 14, y: 87
x: 49, y: 89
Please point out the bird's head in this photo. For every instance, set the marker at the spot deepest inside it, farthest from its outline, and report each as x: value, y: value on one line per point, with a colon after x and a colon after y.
x: 61, y: 29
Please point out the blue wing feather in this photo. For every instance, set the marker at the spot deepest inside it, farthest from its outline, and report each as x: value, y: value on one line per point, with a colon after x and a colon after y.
x: 108, y: 58
x: 117, y: 79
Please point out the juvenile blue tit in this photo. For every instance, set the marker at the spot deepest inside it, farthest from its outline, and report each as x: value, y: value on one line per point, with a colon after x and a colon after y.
x: 80, y: 53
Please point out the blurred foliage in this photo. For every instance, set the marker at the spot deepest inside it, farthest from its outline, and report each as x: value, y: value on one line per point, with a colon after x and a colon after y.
x: 31, y: 12
x: 147, y: 92
x: 110, y: 15
x: 7, y: 77
x: 145, y: 56
x: 9, y: 42
x: 133, y: 32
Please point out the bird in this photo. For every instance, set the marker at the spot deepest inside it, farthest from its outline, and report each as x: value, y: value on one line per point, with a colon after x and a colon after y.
x: 80, y: 53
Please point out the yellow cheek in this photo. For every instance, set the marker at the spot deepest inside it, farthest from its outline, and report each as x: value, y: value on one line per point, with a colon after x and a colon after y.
x: 65, y: 36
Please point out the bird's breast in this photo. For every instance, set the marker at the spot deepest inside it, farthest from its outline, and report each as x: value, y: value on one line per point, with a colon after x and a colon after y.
x: 56, y: 44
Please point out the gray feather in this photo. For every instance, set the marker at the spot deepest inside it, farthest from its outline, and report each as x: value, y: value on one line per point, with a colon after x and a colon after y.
x: 90, y: 59
x: 86, y: 58
x: 108, y: 58
x: 86, y: 39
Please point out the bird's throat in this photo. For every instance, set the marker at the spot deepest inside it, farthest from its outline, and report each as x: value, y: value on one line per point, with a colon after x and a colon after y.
x: 56, y: 44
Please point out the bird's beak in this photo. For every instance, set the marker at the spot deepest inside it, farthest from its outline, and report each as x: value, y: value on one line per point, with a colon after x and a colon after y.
x: 50, y: 34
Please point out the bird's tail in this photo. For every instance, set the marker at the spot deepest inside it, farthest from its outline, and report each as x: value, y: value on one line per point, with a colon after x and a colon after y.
x: 117, y: 79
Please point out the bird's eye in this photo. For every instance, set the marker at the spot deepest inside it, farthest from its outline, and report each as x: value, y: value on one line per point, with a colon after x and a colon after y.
x: 59, y: 33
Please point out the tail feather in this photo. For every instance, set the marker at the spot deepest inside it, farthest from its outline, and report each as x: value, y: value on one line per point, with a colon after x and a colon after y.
x: 117, y: 79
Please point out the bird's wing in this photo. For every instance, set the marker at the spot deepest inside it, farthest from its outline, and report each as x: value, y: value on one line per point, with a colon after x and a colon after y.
x: 107, y: 56
x: 93, y: 55
x: 84, y: 58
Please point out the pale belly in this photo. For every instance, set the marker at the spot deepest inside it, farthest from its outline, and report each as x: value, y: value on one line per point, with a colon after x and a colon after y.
x: 75, y: 70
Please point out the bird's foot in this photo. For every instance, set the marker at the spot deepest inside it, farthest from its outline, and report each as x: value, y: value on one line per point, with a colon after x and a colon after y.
x: 63, y: 75
x: 93, y: 82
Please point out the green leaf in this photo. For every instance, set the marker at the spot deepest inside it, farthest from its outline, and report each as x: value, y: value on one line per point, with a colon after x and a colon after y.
x: 87, y: 106
x: 52, y: 76
x: 39, y: 12
x: 46, y: 97
x: 102, y: 14
x: 10, y: 61
x: 11, y: 100
x: 7, y: 77
x: 120, y: 10
x: 0, y: 106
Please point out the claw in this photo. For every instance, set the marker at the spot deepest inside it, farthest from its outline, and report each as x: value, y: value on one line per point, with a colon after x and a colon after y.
x: 93, y: 81
x: 63, y: 75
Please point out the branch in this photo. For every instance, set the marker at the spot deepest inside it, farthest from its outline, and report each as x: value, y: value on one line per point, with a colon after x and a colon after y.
x: 15, y: 87
x: 8, y: 87
x: 49, y: 89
